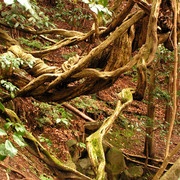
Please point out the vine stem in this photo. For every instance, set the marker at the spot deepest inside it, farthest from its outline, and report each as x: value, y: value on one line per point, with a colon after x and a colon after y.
x: 174, y: 96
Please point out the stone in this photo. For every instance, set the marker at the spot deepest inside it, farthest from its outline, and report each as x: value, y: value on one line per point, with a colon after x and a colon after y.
x: 132, y: 173
x: 71, y: 143
x: 115, y: 162
x: 135, y: 171
x: 84, y: 163
x: 70, y: 163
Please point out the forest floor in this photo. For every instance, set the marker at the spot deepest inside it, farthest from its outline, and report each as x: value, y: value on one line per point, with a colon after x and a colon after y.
x: 99, y: 106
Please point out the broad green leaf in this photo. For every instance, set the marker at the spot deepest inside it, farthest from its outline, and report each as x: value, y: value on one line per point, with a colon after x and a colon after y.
x: 20, y: 129
x: 85, y: 1
x: 12, y: 95
x: 11, y: 150
x: 9, y: 2
x: 3, y: 152
x: 19, y: 140
x: 65, y: 121
x: 2, y: 132
x: 16, y: 25
x: 58, y: 120
x: 7, y: 125
x: 2, y: 107
x: 3, y: 13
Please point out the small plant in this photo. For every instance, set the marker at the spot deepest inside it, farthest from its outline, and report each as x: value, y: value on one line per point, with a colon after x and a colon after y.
x: 49, y: 113
x: 33, y: 43
x: 9, y: 87
x: 30, y: 15
x: 71, y: 16
x: 81, y: 145
x: 43, y: 177
x: 7, y: 62
x: 7, y: 148
x: 43, y: 139
x: 68, y: 55
x: 64, y: 121
x: 65, y: 117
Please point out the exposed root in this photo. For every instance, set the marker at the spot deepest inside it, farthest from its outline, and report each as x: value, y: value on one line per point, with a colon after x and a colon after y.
x: 94, y: 141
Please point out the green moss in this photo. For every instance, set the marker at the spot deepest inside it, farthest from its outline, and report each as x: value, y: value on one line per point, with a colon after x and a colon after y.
x: 94, y: 142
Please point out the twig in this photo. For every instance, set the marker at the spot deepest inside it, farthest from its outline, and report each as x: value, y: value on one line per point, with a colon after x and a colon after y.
x: 138, y: 162
x: 48, y: 39
x: 12, y: 169
x: 144, y: 157
x: 7, y: 176
x: 77, y: 112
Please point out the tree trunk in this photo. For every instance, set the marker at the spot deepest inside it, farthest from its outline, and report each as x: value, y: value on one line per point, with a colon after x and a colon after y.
x: 121, y: 52
x: 168, y: 113
x: 149, y: 139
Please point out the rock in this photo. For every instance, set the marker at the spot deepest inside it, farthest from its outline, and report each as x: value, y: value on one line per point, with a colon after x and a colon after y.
x: 90, y: 173
x: 73, y: 150
x: 70, y: 163
x: 71, y: 143
x: 84, y: 163
x: 135, y: 171
x: 115, y: 163
x: 84, y: 166
x: 132, y: 173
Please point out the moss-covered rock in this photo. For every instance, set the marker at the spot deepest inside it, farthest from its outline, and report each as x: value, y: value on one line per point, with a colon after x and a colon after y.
x: 115, y: 163
x: 133, y: 172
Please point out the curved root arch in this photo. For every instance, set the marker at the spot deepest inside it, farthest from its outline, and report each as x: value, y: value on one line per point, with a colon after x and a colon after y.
x: 94, y: 141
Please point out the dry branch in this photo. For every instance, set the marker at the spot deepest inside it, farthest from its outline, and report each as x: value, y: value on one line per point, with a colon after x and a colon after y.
x: 12, y: 169
x: 148, y: 50
x: 79, y: 113
x: 62, y: 32
x: 144, y: 6
x: 65, y: 42
x: 118, y: 20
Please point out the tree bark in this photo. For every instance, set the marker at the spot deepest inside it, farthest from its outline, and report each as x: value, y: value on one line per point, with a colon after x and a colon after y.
x: 149, y: 139
x: 174, y: 81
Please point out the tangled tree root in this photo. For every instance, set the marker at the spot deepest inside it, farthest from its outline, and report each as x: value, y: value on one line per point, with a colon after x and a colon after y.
x: 94, y: 141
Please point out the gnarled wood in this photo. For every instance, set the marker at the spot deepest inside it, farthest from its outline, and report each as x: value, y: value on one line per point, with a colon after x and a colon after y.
x: 94, y: 141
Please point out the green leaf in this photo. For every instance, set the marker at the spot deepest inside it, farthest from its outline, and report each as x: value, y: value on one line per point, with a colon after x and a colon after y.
x: 16, y: 25
x: 3, y: 152
x: 7, y: 125
x: 11, y: 150
x: 20, y: 129
x: 19, y: 140
x: 2, y: 107
x: 12, y: 95
x: 2, y: 132
x: 3, y: 13
x: 58, y: 120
